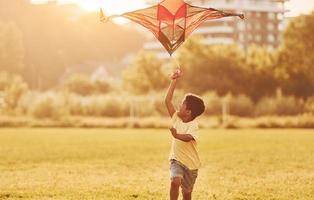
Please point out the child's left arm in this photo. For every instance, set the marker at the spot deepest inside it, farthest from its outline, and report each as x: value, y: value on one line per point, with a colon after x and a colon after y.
x: 182, y: 137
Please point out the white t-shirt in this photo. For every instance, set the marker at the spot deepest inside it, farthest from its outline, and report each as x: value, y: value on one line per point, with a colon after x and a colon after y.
x: 185, y: 152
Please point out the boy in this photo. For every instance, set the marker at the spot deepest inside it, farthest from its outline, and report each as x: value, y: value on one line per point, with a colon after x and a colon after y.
x: 184, y: 159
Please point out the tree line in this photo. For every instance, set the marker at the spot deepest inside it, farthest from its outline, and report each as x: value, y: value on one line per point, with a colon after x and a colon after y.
x: 256, y: 72
x: 41, y: 42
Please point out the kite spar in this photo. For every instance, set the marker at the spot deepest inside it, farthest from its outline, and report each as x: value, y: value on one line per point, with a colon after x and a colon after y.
x: 172, y: 21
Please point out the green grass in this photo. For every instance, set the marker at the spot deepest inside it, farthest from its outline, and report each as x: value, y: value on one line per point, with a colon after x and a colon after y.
x: 132, y: 164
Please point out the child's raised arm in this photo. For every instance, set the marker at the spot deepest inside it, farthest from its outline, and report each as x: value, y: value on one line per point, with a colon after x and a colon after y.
x: 168, y: 99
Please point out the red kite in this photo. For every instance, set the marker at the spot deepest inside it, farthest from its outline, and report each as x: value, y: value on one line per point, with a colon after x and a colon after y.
x: 172, y: 21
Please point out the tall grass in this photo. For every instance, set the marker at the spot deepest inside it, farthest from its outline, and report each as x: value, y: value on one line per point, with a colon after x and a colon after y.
x: 62, y: 108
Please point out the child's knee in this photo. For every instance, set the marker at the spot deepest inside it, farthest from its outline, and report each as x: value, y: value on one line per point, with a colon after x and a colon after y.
x: 176, y: 181
x: 186, y: 192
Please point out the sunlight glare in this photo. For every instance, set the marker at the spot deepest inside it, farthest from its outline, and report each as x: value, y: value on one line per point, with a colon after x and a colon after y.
x: 109, y: 7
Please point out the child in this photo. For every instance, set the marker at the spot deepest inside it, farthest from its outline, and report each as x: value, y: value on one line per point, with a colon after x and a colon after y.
x: 184, y: 159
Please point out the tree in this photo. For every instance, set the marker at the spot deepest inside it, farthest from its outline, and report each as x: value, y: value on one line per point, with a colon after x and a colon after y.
x: 145, y: 74
x: 57, y: 37
x: 11, y: 48
x: 295, y: 57
x: 13, y: 88
x: 79, y: 84
x: 259, y: 63
x: 218, y: 68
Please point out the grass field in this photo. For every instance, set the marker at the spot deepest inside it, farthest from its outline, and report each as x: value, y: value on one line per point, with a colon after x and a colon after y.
x: 132, y: 164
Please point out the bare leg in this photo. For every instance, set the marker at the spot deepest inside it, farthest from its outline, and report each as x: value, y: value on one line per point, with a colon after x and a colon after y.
x: 187, y: 195
x: 174, y: 188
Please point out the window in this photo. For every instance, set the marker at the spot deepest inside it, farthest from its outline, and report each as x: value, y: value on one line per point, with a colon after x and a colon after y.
x: 241, y: 26
x: 250, y: 37
x: 249, y: 27
x: 258, y: 26
x: 271, y: 16
x: 271, y: 38
x: 258, y: 38
x: 258, y: 14
x: 241, y: 37
x: 280, y: 16
x: 270, y: 26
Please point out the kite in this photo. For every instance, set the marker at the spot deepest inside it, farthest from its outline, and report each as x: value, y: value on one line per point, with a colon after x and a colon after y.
x: 172, y: 21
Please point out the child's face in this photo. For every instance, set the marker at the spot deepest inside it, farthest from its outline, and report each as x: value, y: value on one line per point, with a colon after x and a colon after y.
x: 183, y: 112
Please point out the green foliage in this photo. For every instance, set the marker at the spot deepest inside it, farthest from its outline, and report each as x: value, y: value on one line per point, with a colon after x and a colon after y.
x: 4, y: 80
x: 107, y: 106
x: 213, y: 103
x: 102, y: 86
x: 218, y: 68
x: 48, y: 106
x: 241, y: 105
x: 279, y: 105
x: 295, y: 57
x: 144, y: 75
x: 82, y: 85
x: 309, y: 106
x: 100, y: 105
x: 259, y: 64
x: 79, y: 84
x: 13, y: 88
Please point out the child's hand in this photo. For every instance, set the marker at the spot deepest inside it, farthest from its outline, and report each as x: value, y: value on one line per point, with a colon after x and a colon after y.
x: 177, y: 74
x: 173, y: 132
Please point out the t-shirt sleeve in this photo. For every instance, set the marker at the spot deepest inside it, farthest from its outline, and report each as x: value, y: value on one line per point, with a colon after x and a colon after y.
x: 193, y: 130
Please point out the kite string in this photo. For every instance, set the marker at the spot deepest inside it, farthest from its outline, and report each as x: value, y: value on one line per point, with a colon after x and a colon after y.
x: 178, y: 69
x: 177, y: 63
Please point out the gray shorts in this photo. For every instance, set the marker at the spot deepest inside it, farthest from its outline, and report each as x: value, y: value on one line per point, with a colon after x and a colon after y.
x: 188, y: 176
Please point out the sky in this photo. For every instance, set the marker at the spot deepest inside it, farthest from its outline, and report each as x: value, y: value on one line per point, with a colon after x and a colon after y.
x: 109, y: 6
x: 296, y: 7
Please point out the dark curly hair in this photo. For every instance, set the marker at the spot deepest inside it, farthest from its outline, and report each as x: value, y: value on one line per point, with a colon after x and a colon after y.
x: 195, y: 104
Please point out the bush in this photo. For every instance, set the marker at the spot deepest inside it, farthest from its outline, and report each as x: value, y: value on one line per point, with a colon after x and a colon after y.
x: 75, y: 104
x: 10, y: 121
x: 100, y: 105
x: 101, y: 86
x: 213, y: 103
x: 13, y: 88
x: 280, y: 105
x: 113, y: 106
x: 4, y: 80
x: 159, y: 105
x: 145, y: 106
x: 27, y: 101
x: 79, y: 84
x: 309, y: 105
x: 241, y: 106
x: 48, y: 105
